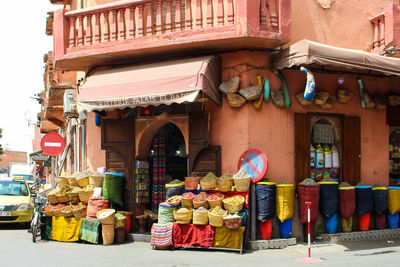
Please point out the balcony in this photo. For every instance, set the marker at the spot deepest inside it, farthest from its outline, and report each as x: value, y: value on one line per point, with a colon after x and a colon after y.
x: 135, y: 29
x: 387, y: 30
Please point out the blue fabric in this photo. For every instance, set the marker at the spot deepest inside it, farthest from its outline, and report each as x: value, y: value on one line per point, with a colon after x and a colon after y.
x: 363, y: 186
x: 329, y: 199
x: 115, y: 174
x: 266, y: 195
x: 393, y: 187
x: 364, y: 200
x: 244, y: 213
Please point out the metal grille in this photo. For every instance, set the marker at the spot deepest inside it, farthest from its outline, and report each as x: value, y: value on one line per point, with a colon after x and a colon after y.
x: 323, y: 133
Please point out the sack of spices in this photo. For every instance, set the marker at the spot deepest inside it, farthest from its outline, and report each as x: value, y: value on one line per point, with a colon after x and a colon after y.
x: 285, y: 201
x: 364, y: 198
x: 96, y: 204
x: 265, y: 192
x: 380, y: 200
x: 329, y: 197
x: 347, y: 200
x: 225, y: 182
x: 208, y: 182
x: 394, y: 199
x: 308, y: 191
x: 113, y: 188
x: 174, y: 188
x: 166, y: 213
x: 200, y: 200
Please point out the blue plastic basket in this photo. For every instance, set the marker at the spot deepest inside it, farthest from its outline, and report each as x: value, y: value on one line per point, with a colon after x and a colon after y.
x: 393, y: 220
x: 331, y: 224
x: 285, y: 228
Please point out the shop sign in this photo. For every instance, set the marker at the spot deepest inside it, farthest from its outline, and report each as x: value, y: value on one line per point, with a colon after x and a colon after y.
x: 52, y: 144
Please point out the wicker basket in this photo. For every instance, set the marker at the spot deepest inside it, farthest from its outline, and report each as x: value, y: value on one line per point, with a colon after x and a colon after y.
x: 200, y: 217
x: 174, y: 200
x: 72, y: 181
x: 48, y: 212
x: 183, y: 217
x: 57, y: 213
x: 68, y: 198
x: 232, y: 208
x: 52, y: 199
x: 233, y: 223
x: 80, y: 211
x: 84, y: 196
x: 83, y: 182
x: 211, y: 185
x: 187, y: 202
x: 242, y: 184
x: 224, y: 185
x: 197, y: 205
x: 110, y: 219
x: 67, y: 212
x: 62, y: 181
x: 191, y: 183
x: 96, y: 181
x: 214, y: 203
x: 216, y: 220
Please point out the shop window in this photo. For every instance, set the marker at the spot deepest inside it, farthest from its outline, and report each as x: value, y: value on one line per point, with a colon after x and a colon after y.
x: 394, y: 155
x: 329, y: 131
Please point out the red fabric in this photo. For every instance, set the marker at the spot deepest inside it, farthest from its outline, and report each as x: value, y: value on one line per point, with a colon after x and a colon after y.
x: 193, y: 235
x: 308, y: 193
x: 234, y: 193
x: 95, y: 204
x: 347, y: 202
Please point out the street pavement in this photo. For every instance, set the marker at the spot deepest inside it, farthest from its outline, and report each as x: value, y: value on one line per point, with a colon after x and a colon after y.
x: 17, y: 249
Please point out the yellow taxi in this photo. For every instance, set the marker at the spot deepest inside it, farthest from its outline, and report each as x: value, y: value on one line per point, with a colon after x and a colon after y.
x: 16, y: 204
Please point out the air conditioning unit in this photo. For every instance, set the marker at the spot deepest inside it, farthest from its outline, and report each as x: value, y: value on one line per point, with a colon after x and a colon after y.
x: 70, y: 110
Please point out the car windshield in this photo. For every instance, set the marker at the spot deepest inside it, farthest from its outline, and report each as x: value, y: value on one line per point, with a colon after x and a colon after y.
x: 13, y: 188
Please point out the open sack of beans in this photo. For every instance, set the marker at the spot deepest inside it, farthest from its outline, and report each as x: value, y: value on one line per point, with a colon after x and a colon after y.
x: 308, y: 191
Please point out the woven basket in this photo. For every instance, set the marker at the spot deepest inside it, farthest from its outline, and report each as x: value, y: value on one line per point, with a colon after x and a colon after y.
x: 96, y: 181
x: 67, y: 212
x: 242, y: 184
x: 84, y: 196
x: 232, y: 208
x: 83, y: 182
x: 52, y: 199
x: 208, y: 185
x: 57, y: 213
x: 110, y: 219
x: 216, y: 220
x: 80, y: 212
x: 72, y: 181
x: 62, y: 181
x: 191, y: 183
x: 68, y: 198
x: 214, y: 203
x: 197, y: 205
x: 200, y: 217
x: 224, y: 185
x: 48, y: 213
x: 183, y: 217
x: 187, y: 202
x: 233, y: 223
x: 174, y: 200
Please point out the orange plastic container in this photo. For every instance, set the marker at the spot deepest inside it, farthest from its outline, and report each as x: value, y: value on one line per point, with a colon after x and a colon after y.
x: 364, y: 221
x: 266, y: 230
x: 128, y: 220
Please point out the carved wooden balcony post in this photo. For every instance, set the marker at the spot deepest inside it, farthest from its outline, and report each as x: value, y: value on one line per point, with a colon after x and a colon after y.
x: 97, y: 32
x: 89, y: 29
x: 80, y: 30
x: 106, y: 26
x: 132, y: 22
x: 382, y: 32
x: 272, y: 8
x: 149, y: 20
x: 210, y: 13
x: 199, y: 14
x: 159, y: 18
x: 375, y: 44
x: 121, y: 24
x: 71, y: 31
x: 178, y: 15
x: 230, y: 12
x: 263, y: 12
x: 114, y: 28
x: 220, y: 13
x: 168, y: 16
x: 141, y: 21
x: 188, y: 14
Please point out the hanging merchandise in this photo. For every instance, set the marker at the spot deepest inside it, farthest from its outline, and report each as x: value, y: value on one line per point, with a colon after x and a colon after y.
x: 266, y: 88
x: 327, y: 157
x: 335, y: 157
x: 309, y: 91
x: 159, y: 170
x: 312, y: 156
x: 142, y: 181
x: 286, y: 93
x: 319, y: 157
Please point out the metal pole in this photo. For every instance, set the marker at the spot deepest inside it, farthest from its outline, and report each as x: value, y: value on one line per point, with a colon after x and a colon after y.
x: 309, y: 228
x: 253, y: 226
x: 53, y: 172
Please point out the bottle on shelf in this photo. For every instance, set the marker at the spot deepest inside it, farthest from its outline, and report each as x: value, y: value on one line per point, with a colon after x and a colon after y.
x: 327, y: 156
x: 319, y: 157
x: 312, y: 156
x: 335, y: 157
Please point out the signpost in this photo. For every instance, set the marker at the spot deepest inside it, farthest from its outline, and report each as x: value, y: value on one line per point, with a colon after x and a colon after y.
x: 52, y: 144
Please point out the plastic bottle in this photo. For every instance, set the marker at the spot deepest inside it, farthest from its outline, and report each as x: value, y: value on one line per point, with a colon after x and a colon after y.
x: 312, y: 156
x: 319, y: 157
x: 335, y: 157
x: 327, y: 156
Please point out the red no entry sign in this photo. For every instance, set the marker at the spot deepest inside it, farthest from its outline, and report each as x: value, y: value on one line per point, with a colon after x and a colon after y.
x: 255, y: 163
x: 52, y: 144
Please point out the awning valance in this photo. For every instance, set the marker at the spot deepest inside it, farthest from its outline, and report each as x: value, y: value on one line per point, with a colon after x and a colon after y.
x: 306, y: 52
x: 168, y: 82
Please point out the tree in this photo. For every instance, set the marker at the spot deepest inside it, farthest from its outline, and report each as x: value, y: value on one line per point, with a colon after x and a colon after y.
x: 1, y: 135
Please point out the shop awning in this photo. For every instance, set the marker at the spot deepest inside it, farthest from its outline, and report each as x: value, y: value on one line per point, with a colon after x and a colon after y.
x: 306, y: 52
x: 177, y: 81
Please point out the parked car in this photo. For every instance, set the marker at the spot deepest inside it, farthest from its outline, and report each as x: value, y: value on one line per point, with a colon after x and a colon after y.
x: 16, y: 204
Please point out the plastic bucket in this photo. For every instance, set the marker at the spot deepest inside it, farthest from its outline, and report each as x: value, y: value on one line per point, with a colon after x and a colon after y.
x: 285, y: 228
x: 266, y: 230
x: 364, y: 221
x: 128, y: 220
x: 347, y: 224
x: 380, y: 221
x: 393, y: 220
x: 331, y: 224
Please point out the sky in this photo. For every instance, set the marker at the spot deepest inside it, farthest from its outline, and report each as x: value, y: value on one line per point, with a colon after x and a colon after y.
x: 24, y: 43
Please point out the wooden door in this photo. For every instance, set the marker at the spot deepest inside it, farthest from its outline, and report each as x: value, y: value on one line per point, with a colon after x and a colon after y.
x: 351, y: 150
x: 198, y: 136
x: 302, y: 131
x: 208, y: 160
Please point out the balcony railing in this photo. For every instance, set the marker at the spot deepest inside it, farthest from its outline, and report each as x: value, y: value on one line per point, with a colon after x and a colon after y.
x: 378, y: 43
x: 142, y: 24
